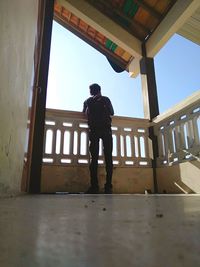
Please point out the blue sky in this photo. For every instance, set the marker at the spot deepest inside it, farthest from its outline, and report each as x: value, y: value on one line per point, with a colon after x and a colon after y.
x: 74, y: 65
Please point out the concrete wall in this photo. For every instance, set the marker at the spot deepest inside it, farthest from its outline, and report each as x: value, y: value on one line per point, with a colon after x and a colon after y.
x: 180, y: 178
x: 77, y: 179
x: 18, y: 21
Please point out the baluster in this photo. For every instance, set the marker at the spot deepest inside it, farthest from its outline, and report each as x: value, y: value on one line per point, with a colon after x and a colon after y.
x: 177, y: 139
x: 196, y: 131
x: 122, y: 148
x: 182, y: 136
x: 118, y: 146
x: 125, y: 145
x: 79, y: 143
x: 146, y: 153
x: 160, y: 144
x: 166, y: 142
x: 45, y: 140
x: 190, y: 131
x: 62, y: 141
x: 71, y: 141
x: 87, y: 145
x: 139, y: 147
x: 53, y: 153
x: 133, y: 146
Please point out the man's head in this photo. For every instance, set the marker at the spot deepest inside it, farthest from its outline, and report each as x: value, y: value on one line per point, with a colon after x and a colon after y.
x: 95, y: 89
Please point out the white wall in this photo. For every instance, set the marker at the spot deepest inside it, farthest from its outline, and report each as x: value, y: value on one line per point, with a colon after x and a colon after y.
x: 180, y: 178
x: 18, y: 21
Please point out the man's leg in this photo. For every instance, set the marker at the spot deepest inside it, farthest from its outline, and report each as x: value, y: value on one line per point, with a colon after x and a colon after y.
x: 94, y: 152
x: 108, y: 147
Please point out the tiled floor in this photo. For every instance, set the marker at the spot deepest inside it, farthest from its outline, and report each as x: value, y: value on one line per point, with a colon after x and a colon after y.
x: 100, y: 230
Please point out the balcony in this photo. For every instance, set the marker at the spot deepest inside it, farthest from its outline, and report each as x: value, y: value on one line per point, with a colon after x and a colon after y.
x: 66, y: 155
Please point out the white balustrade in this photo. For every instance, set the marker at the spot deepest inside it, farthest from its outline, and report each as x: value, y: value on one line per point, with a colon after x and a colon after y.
x: 178, y: 132
x: 66, y: 140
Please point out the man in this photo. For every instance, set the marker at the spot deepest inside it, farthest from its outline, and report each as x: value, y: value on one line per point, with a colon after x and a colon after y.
x: 99, y: 110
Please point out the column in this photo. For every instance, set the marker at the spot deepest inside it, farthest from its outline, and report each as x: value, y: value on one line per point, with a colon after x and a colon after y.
x: 150, y: 102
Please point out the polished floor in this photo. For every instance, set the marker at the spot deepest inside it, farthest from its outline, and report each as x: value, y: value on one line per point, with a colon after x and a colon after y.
x: 100, y: 231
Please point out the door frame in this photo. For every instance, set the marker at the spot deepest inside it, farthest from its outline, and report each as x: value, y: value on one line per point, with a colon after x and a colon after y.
x: 31, y: 179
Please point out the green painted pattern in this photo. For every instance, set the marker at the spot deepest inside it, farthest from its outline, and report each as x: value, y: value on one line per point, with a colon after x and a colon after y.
x: 110, y: 45
x: 114, y: 46
x: 130, y: 8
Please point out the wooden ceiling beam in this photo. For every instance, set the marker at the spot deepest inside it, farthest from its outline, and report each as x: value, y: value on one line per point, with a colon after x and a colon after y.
x: 118, y: 11
x: 104, y: 25
x: 149, y: 9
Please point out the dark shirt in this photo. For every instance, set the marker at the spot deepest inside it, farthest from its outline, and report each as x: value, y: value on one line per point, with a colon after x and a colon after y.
x: 99, y: 110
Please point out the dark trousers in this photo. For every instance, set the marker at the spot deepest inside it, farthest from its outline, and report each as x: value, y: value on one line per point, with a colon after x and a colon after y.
x: 106, y: 136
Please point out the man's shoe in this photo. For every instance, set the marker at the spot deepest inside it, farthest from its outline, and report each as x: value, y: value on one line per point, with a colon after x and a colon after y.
x: 92, y: 190
x: 108, y: 190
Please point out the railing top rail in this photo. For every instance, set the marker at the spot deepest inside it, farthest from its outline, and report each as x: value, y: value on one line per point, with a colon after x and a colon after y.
x: 80, y: 115
x: 179, y: 108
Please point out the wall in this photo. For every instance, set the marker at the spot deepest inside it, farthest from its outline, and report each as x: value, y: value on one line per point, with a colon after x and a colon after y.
x: 180, y: 178
x: 18, y: 21
x: 77, y: 179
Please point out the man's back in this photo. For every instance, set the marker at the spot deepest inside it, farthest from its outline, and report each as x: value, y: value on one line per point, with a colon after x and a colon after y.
x: 99, y: 109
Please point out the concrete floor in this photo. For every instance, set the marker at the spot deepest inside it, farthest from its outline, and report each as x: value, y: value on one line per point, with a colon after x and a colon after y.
x: 100, y: 230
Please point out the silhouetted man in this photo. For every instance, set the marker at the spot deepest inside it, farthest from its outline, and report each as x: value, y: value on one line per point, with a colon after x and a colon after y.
x: 99, y: 110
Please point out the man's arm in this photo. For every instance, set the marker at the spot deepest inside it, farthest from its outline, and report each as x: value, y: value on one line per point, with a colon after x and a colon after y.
x: 110, y: 107
x: 85, y: 106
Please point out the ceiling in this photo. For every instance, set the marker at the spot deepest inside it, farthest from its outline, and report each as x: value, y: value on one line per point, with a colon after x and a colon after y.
x: 125, y: 30
x: 191, y: 28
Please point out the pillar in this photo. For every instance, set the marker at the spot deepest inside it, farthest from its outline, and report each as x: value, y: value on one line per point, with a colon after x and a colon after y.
x: 149, y: 89
x: 150, y: 102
